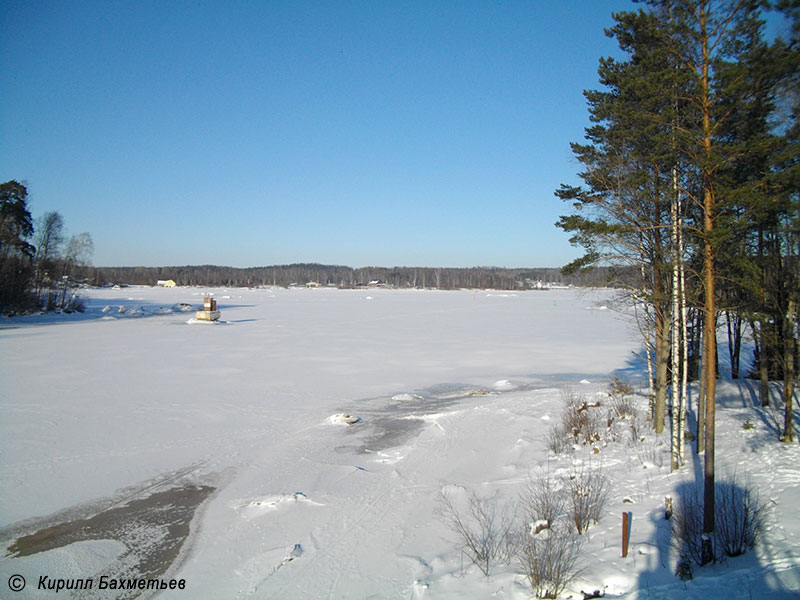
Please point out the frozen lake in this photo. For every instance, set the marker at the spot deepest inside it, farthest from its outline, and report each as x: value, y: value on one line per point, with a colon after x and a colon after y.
x: 128, y: 403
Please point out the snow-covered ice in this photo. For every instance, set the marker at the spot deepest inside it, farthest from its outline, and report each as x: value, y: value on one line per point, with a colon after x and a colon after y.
x: 445, y: 390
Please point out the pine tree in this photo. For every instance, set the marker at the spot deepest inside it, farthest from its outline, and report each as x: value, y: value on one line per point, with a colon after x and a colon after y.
x: 623, y: 210
x: 16, y: 228
x: 687, y: 116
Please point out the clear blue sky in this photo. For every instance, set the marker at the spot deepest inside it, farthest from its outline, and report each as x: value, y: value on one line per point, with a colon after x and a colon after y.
x: 253, y: 133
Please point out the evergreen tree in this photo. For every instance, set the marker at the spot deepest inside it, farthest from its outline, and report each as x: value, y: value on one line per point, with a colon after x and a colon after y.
x: 692, y: 104
x: 622, y: 212
x: 16, y: 227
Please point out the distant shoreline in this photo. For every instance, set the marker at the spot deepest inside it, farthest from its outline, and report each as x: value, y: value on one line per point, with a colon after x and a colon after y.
x: 313, y: 274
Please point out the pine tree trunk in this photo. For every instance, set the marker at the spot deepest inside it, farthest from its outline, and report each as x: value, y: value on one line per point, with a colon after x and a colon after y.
x: 788, y: 373
x: 701, y: 395
x: 709, y: 308
x: 716, y: 346
x: 734, y: 327
x: 763, y: 363
x: 647, y: 340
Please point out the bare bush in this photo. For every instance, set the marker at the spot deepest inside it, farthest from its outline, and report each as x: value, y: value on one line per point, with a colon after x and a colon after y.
x: 596, y: 425
x: 587, y: 492
x: 739, y: 517
x: 542, y: 499
x: 651, y: 453
x: 484, y: 529
x: 581, y: 423
x: 579, y: 420
x: 739, y: 520
x: 557, y: 441
x: 687, y: 525
x: 623, y: 407
x: 550, y: 560
x: 635, y: 424
x: 619, y: 387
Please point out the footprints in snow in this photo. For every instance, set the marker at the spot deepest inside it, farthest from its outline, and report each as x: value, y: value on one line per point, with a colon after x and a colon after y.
x: 296, y: 552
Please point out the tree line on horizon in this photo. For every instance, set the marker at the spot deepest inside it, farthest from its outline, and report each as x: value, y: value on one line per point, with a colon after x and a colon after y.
x: 445, y: 278
x: 691, y: 176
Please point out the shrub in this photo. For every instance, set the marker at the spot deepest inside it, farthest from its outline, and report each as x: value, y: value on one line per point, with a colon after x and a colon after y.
x: 683, y: 570
x: 483, y: 528
x: 637, y: 433
x: 542, y: 499
x: 75, y: 304
x: 739, y: 517
x: 557, y: 441
x: 623, y: 407
x: 587, y: 492
x: 687, y: 525
x: 617, y: 387
x: 579, y: 420
x: 550, y: 560
x: 739, y: 520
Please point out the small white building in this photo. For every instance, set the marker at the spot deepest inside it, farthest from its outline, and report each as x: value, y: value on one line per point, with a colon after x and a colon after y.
x: 165, y: 283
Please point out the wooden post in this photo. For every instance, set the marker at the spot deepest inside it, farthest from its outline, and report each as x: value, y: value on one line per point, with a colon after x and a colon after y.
x: 626, y: 532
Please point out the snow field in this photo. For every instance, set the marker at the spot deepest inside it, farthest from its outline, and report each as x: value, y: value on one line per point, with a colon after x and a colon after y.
x: 453, y: 390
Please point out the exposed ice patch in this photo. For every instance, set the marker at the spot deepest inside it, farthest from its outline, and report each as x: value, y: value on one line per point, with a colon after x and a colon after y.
x: 72, y: 561
x: 430, y: 418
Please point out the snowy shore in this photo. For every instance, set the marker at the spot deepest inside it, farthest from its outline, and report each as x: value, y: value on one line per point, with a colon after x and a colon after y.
x: 328, y: 421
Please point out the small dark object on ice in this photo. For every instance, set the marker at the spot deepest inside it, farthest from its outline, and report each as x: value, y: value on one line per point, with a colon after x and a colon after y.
x: 594, y: 594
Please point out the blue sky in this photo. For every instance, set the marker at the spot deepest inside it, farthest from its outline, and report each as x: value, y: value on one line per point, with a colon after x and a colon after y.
x: 256, y: 133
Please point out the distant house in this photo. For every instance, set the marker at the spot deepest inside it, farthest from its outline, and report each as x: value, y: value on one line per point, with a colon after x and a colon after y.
x: 312, y: 284
x: 165, y: 283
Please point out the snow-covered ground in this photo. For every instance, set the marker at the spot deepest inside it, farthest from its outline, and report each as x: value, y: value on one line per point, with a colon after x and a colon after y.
x: 328, y: 422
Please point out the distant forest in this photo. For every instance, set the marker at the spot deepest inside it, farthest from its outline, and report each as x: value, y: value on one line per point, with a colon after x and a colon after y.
x: 348, y: 277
